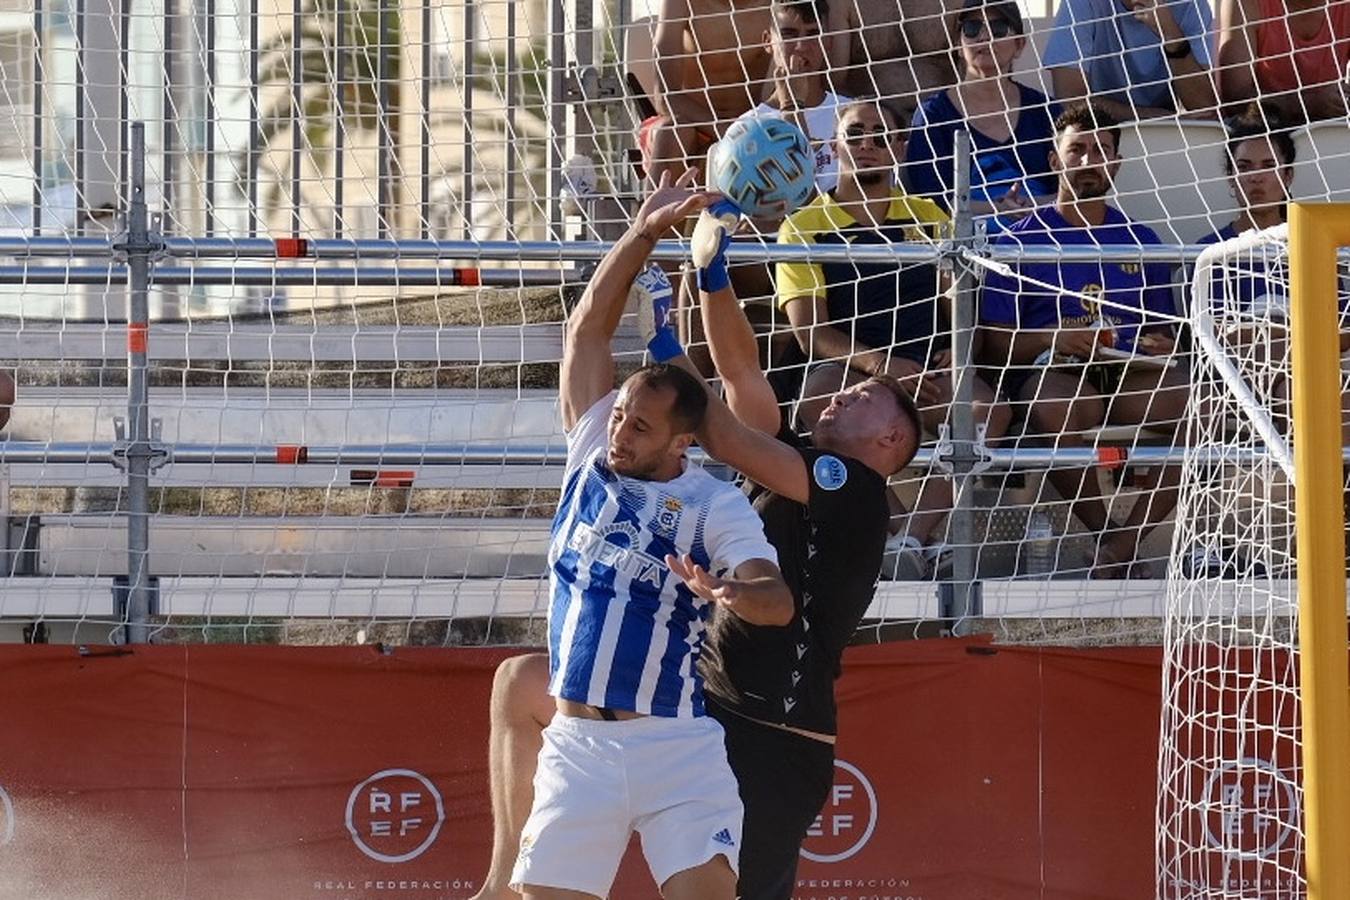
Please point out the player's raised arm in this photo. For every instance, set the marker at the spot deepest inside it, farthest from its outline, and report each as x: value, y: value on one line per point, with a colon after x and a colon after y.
x: 762, y: 458
x: 731, y: 340
x: 588, y: 361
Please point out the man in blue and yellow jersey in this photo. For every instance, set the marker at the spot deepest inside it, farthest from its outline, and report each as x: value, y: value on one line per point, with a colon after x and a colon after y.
x: 1089, y: 343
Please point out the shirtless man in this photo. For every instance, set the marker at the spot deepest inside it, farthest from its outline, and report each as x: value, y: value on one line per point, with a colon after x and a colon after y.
x: 710, y: 61
x: 899, y: 50
x: 712, y: 66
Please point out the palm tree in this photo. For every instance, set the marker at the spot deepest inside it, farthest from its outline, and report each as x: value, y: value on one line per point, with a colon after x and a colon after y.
x: 349, y: 63
x: 508, y: 147
x: 510, y: 150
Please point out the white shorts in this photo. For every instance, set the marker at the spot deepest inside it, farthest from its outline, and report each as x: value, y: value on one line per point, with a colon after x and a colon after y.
x: 598, y: 781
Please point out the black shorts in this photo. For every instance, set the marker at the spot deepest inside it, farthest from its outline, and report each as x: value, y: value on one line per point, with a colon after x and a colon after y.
x: 784, y: 780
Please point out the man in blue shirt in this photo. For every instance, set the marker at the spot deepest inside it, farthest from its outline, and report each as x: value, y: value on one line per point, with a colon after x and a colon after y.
x: 1138, y: 59
x: 1088, y: 343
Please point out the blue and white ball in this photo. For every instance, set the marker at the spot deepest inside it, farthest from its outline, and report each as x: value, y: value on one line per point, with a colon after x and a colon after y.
x: 764, y: 165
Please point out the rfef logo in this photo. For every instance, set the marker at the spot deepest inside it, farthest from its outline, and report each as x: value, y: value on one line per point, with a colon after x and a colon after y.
x: 847, y: 821
x: 1251, y: 808
x: 395, y: 815
x: 6, y: 818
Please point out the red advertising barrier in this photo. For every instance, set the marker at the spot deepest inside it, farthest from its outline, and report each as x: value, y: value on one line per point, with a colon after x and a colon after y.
x: 965, y: 771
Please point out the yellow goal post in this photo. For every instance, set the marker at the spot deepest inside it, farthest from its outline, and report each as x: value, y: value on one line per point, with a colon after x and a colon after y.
x: 1316, y: 233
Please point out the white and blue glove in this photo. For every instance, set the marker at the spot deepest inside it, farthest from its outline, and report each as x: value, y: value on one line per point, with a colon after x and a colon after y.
x: 708, y: 245
x: 652, y: 296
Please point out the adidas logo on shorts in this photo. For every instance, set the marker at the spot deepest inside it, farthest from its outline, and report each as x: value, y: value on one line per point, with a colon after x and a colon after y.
x: 724, y: 837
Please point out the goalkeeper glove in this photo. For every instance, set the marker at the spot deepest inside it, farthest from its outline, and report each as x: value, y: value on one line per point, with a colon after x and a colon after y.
x: 712, y: 236
x: 651, y: 295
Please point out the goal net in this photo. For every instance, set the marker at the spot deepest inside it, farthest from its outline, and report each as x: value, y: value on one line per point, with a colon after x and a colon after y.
x: 1230, y: 808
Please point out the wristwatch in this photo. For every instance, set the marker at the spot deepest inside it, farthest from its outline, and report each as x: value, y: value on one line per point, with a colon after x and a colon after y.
x: 1179, y: 50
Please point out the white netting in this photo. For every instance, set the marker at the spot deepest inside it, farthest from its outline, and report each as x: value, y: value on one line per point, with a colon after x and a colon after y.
x: 1230, y: 800
x: 366, y: 119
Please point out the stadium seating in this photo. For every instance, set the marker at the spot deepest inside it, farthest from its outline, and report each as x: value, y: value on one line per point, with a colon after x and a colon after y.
x: 1172, y: 177
x: 1322, y: 162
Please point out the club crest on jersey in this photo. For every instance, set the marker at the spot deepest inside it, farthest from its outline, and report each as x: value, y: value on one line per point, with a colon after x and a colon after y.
x: 667, y: 521
x: 830, y: 472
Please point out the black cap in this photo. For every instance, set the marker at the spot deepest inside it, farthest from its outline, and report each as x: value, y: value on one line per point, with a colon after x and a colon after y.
x: 1005, y: 8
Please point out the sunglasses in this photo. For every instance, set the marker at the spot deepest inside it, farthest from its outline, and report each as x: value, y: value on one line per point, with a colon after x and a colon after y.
x: 854, y: 136
x: 998, y: 28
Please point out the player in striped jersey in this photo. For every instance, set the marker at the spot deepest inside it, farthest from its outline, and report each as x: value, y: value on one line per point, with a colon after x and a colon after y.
x: 630, y: 746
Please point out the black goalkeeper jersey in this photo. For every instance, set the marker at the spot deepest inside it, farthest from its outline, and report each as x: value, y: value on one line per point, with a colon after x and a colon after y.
x: 830, y: 552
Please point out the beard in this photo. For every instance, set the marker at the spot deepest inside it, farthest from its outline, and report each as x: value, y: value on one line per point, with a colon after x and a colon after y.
x: 641, y: 469
x: 873, y: 177
x: 1085, y: 189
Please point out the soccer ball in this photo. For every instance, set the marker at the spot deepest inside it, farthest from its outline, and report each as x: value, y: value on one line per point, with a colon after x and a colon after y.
x: 763, y: 165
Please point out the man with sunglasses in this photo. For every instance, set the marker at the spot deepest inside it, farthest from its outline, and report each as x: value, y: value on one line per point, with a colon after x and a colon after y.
x: 854, y: 320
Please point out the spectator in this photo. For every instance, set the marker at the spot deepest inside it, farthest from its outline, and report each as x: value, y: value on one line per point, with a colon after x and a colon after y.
x: 712, y: 63
x: 1011, y: 126
x: 1259, y: 160
x: 1083, y: 350
x: 1249, y: 296
x: 1138, y: 59
x: 800, y: 87
x: 1291, y: 52
x: 854, y: 320
x: 800, y: 93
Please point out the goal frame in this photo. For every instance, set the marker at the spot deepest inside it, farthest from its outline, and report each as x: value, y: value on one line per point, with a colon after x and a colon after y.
x: 1316, y: 232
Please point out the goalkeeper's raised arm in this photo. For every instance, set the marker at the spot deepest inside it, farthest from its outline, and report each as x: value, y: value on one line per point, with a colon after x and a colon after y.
x: 731, y: 338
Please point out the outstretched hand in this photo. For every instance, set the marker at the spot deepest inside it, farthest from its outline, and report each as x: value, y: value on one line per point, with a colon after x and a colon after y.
x: 1015, y: 203
x: 671, y: 203
x: 702, y: 582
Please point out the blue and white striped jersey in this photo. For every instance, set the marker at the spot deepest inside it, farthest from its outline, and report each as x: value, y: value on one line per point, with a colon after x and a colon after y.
x: 623, y: 630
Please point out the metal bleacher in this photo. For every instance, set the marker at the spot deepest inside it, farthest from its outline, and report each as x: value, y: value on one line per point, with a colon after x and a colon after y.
x: 331, y: 565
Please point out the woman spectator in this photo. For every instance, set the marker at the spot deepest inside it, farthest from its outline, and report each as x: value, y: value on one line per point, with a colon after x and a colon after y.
x: 1292, y: 53
x: 1249, y: 294
x: 1259, y: 160
x: 1011, y: 126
